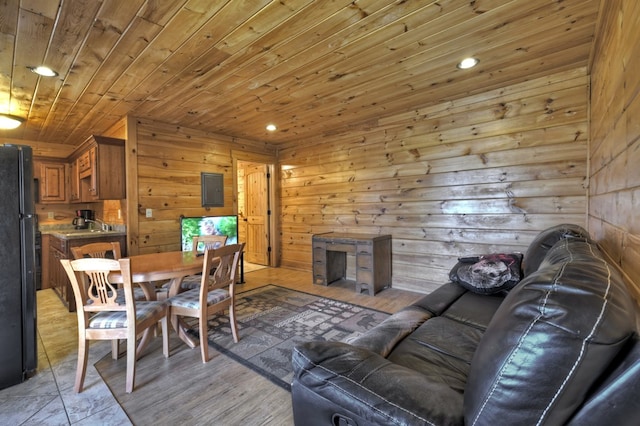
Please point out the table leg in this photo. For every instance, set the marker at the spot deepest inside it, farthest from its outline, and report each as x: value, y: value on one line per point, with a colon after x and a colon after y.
x: 146, y: 338
x: 177, y: 323
x: 149, y: 290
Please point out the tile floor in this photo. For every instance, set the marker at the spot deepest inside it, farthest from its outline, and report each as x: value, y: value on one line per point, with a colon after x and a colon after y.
x: 48, y: 397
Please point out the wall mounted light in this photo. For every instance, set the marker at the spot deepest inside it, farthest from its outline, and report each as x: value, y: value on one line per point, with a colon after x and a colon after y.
x: 271, y: 127
x: 8, y: 121
x: 43, y: 71
x: 467, y: 63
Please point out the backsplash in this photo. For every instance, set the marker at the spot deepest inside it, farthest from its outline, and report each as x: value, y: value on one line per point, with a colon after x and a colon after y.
x: 60, y: 216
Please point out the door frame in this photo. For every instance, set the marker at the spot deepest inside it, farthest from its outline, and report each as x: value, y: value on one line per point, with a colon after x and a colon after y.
x: 272, y: 197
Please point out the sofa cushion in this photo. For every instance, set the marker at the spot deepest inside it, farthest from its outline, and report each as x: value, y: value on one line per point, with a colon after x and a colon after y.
x: 441, y: 350
x: 550, y: 340
x: 545, y: 240
x: 489, y: 273
x: 342, y: 375
x: 615, y: 400
x: 474, y: 309
x: 443, y: 346
x: 383, y: 337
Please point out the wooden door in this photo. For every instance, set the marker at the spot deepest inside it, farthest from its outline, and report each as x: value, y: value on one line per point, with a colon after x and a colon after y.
x: 256, y: 214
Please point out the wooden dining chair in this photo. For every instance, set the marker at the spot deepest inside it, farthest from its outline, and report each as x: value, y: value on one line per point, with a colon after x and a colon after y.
x: 208, y: 242
x: 104, y: 250
x: 215, y: 294
x: 101, y: 317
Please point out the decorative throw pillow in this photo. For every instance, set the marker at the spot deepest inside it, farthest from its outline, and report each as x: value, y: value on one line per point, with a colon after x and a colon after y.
x: 489, y: 273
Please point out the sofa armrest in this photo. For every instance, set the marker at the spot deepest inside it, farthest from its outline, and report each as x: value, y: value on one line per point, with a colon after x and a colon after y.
x: 355, y: 382
x: 441, y: 298
x: 382, y: 338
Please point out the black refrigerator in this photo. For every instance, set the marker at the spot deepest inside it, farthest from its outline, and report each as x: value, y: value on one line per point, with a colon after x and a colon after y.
x: 18, y: 357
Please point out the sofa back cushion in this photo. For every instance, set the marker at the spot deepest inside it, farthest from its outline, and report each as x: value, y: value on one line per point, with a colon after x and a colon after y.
x: 545, y: 240
x: 550, y: 340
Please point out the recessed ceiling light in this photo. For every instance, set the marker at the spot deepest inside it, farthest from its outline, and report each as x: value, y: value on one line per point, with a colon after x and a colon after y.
x: 467, y: 63
x: 271, y: 127
x: 44, y: 71
x: 9, y: 121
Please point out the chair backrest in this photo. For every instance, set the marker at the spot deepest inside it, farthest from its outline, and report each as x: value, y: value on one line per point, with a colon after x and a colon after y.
x: 94, y: 291
x: 224, y: 274
x: 100, y: 250
x: 209, y: 241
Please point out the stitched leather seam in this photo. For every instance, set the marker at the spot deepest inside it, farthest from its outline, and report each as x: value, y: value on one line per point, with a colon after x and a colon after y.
x: 509, y: 361
x: 515, y: 350
x: 395, y: 421
x: 586, y: 339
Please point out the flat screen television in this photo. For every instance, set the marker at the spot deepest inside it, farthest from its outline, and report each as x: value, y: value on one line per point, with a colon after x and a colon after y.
x: 207, y: 225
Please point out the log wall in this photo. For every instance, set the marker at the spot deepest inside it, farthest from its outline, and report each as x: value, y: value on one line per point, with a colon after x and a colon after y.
x: 480, y: 174
x: 164, y: 163
x: 615, y: 137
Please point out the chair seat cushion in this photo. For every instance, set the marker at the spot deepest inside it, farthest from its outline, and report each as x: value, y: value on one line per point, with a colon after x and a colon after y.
x: 191, y: 282
x: 118, y: 319
x: 191, y: 299
x: 188, y: 283
x: 138, y: 294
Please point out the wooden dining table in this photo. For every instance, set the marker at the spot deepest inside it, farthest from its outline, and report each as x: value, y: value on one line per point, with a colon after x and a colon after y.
x: 148, y: 270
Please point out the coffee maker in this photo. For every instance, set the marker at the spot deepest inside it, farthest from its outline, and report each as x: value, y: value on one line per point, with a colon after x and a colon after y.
x: 81, y: 221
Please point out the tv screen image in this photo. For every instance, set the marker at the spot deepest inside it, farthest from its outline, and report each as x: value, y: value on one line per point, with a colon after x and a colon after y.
x: 207, y: 225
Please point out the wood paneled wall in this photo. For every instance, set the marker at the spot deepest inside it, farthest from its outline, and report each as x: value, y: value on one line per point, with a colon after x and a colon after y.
x: 480, y: 174
x: 615, y: 136
x: 164, y: 166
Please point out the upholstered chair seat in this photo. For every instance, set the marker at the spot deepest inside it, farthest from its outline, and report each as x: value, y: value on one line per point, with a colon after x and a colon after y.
x: 191, y: 299
x: 118, y: 319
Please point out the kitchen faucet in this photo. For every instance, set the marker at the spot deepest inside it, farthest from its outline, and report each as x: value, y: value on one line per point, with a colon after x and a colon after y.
x: 103, y: 225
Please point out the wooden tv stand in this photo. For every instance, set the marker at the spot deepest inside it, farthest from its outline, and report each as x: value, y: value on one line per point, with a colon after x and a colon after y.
x: 373, y: 259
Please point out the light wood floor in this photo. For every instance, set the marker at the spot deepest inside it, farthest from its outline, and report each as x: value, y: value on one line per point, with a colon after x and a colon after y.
x: 181, y: 389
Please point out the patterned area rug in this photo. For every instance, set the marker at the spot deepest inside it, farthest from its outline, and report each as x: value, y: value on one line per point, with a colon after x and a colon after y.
x: 272, y: 319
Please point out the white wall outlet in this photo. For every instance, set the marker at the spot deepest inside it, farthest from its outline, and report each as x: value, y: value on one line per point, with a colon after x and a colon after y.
x: 119, y: 213
x: 149, y: 213
x: 51, y: 215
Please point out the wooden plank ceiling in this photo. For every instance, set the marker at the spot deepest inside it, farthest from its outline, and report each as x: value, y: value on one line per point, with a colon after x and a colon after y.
x: 231, y: 67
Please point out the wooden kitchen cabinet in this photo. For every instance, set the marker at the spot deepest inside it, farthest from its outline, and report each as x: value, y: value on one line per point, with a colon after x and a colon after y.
x: 51, y: 178
x: 45, y: 263
x: 57, y: 278
x: 84, y: 164
x: 100, y: 169
x: 58, y: 248
x: 74, y: 190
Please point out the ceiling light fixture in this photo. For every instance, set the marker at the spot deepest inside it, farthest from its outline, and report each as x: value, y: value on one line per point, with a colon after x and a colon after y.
x: 271, y: 127
x: 43, y: 71
x: 8, y: 121
x: 467, y: 63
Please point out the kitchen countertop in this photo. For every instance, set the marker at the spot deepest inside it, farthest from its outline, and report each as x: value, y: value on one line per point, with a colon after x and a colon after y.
x: 72, y: 234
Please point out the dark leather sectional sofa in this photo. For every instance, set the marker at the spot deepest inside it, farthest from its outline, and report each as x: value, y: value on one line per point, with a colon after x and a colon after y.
x: 560, y: 348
